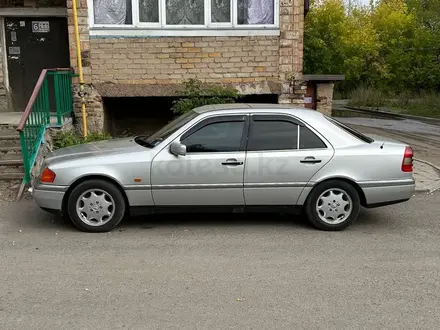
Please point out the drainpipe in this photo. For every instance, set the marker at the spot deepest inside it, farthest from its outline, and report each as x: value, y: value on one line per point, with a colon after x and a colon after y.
x: 80, y: 68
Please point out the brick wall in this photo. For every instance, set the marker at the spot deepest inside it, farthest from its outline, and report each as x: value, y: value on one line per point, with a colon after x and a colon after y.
x: 128, y: 65
x: 324, y: 98
x: 172, y: 60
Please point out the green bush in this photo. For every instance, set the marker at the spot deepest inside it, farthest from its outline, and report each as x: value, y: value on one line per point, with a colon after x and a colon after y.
x: 196, y: 94
x: 67, y: 139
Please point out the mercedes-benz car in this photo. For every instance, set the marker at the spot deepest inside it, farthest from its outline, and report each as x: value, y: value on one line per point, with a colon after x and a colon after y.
x: 233, y: 157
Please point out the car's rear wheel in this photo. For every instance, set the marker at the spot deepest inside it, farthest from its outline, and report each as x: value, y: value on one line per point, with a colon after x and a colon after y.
x: 96, y: 206
x: 333, y: 205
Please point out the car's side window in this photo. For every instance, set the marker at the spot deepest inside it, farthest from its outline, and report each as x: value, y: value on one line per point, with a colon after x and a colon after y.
x: 309, y: 140
x: 273, y: 134
x: 222, y: 136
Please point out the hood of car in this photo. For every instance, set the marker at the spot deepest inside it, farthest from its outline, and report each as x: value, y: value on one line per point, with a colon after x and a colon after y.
x: 95, y: 149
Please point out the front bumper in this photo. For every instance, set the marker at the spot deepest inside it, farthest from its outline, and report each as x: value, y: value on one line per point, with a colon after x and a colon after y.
x: 49, y: 197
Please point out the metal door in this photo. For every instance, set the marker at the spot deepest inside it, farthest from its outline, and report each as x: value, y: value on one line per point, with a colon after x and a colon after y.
x: 33, y: 44
x: 204, y: 176
x: 278, y: 164
x: 310, y: 96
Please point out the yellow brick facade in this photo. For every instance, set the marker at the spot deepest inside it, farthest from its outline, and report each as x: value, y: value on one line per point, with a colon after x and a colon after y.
x: 251, y: 63
x: 168, y: 60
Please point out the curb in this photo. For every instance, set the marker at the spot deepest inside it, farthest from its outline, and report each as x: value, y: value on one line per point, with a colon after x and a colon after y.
x: 395, y: 115
x: 427, y: 163
x: 429, y: 191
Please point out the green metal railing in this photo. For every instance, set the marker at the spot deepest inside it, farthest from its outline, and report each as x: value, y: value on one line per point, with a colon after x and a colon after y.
x: 51, y: 99
x: 63, y: 94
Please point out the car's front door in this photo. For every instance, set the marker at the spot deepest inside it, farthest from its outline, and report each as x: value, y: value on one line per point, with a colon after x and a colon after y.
x: 282, y: 156
x: 211, y: 172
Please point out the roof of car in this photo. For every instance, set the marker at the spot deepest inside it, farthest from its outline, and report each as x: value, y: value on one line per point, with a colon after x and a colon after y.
x: 258, y: 106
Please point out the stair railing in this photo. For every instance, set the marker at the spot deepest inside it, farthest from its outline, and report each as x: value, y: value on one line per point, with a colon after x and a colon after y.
x: 53, y: 91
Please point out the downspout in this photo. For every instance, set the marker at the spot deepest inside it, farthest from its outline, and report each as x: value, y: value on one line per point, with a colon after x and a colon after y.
x: 80, y: 68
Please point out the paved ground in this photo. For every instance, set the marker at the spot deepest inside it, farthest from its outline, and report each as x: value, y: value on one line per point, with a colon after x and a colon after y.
x: 427, y: 177
x: 226, y: 271
x: 222, y: 272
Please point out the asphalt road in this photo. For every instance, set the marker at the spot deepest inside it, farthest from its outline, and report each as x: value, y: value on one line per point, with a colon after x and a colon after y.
x: 222, y: 272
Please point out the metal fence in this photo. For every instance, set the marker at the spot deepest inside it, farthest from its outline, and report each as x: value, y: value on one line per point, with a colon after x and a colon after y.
x: 52, y: 97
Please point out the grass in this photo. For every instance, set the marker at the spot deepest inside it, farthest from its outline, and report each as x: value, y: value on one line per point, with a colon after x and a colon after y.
x: 425, y: 104
x: 64, y: 139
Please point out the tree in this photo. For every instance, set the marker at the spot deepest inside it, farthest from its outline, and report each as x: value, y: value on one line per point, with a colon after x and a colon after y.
x: 392, y: 45
x: 323, y: 35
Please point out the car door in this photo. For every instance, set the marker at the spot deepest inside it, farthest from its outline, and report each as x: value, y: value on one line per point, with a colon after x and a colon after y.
x: 282, y: 155
x: 211, y: 172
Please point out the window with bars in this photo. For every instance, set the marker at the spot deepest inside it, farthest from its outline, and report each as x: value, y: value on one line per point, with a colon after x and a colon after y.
x: 174, y: 14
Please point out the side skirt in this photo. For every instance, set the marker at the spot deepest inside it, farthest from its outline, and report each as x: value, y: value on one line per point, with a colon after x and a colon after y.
x: 145, y: 210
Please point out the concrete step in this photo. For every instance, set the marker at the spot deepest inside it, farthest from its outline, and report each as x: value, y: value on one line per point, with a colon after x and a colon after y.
x: 11, y: 167
x: 11, y: 164
x: 11, y: 159
x: 9, y: 141
x: 6, y: 129
x: 10, y: 151
x: 11, y: 176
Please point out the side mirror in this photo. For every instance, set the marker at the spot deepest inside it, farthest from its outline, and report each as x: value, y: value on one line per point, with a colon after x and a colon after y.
x: 178, y: 149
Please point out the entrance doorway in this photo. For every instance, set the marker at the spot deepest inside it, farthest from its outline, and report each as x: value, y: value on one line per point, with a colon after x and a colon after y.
x: 33, y: 44
x: 310, y: 96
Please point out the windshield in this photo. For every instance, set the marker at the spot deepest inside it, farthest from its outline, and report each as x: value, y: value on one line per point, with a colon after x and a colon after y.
x: 350, y: 130
x: 154, y: 139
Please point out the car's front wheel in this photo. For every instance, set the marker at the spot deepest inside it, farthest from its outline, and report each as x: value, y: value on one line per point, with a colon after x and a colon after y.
x: 333, y: 205
x: 96, y: 206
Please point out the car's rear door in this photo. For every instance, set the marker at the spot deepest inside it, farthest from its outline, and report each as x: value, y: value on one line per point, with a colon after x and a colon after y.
x: 211, y: 173
x: 282, y: 156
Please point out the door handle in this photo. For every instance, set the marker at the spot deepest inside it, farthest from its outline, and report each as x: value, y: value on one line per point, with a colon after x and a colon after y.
x: 232, y: 162
x: 310, y: 160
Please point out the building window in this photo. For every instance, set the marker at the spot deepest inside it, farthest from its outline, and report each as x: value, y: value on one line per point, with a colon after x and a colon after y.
x: 135, y: 16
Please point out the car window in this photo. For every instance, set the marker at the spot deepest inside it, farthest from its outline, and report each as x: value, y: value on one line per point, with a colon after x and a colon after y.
x: 350, y: 130
x: 216, y: 137
x: 309, y: 140
x: 154, y: 139
x: 273, y: 135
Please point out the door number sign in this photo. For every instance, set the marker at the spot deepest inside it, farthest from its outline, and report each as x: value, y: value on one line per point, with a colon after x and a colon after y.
x: 40, y: 27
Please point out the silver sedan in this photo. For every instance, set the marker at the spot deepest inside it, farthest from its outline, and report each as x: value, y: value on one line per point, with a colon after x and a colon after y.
x: 235, y: 157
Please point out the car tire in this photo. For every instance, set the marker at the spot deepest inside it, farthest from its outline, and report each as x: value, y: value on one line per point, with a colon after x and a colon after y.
x: 96, y: 206
x: 333, y: 205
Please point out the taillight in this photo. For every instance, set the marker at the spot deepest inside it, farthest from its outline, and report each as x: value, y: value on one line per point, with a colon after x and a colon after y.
x: 47, y: 176
x: 407, y: 163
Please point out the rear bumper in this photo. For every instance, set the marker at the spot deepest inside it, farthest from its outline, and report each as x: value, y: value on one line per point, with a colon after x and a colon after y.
x: 387, y: 194
x: 49, y: 198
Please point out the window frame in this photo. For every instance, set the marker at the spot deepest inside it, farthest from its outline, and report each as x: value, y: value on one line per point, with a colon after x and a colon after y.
x: 293, y: 120
x: 351, y: 131
x: 219, y: 119
x: 274, y: 117
x: 209, y: 28
x: 326, y: 145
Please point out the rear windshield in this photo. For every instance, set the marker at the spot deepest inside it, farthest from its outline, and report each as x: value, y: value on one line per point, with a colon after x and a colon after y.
x: 350, y: 130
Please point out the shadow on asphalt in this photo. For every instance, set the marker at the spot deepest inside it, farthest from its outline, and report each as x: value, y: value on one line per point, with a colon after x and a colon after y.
x: 368, y: 218
x: 216, y: 220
